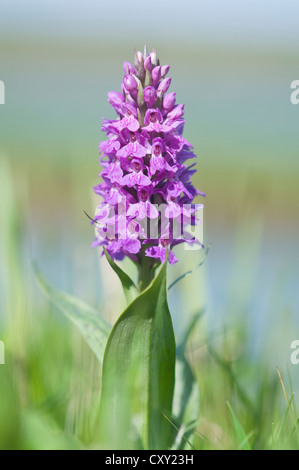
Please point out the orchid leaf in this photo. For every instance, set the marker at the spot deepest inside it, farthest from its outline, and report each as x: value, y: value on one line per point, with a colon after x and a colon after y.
x: 93, y: 328
x: 128, y: 285
x: 138, y: 373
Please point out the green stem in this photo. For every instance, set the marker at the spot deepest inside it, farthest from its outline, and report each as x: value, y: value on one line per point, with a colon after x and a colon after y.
x: 146, y: 272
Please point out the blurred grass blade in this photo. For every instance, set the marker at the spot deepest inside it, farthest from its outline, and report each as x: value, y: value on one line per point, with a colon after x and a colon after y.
x: 242, y: 444
x: 138, y: 373
x: 292, y: 394
x: 276, y: 435
x: 286, y: 397
x: 241, y: 435
x: 93, y: 328
x: 181, y: 349
x: 288, y: 439
x: 227, y: 367
x: 189, y: 272
x: 130, y: 290
x: 186, y: 394
x: 182, y: 441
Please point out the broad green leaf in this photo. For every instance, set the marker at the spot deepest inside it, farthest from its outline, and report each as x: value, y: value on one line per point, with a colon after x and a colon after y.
x: 241, y: 435
x: 186, y: 394
x: 130, y: 290
x: 93, y: 328
x: 138, y: 373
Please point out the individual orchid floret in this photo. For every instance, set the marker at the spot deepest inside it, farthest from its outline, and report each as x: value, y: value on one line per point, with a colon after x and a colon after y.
x: 129, y: 82
x: 156, y: 75
x: 169, y: 101
x: 128, y: 68
x: 150, y: 96
x: 164, y: 70
x: 163, y: 86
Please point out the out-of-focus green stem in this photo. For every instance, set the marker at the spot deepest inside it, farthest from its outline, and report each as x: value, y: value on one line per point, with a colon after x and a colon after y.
x: 146, y: 272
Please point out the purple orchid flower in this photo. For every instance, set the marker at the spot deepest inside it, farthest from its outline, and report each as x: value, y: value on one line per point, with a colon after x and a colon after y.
x: 144, y: 166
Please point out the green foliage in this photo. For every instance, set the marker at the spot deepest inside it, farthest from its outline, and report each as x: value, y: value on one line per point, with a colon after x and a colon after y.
x: 138, y: 373
x: 128, y: 285
x: 186, y: 394
x: 50, y: 384
x: 241, y: 435
x: 93, y: 328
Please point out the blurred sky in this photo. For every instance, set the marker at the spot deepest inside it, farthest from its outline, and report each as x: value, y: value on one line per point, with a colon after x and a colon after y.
x: 268, y: 22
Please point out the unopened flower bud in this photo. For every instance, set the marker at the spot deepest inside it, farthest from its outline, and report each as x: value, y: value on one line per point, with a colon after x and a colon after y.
x: 128, y: 68
x: 156, y: 75
x: 163, y: 86
x: 129, y: 82
x: 150, y: 96
x: 164, y: 70
x: 169, y: 101
x: 148, y: 63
